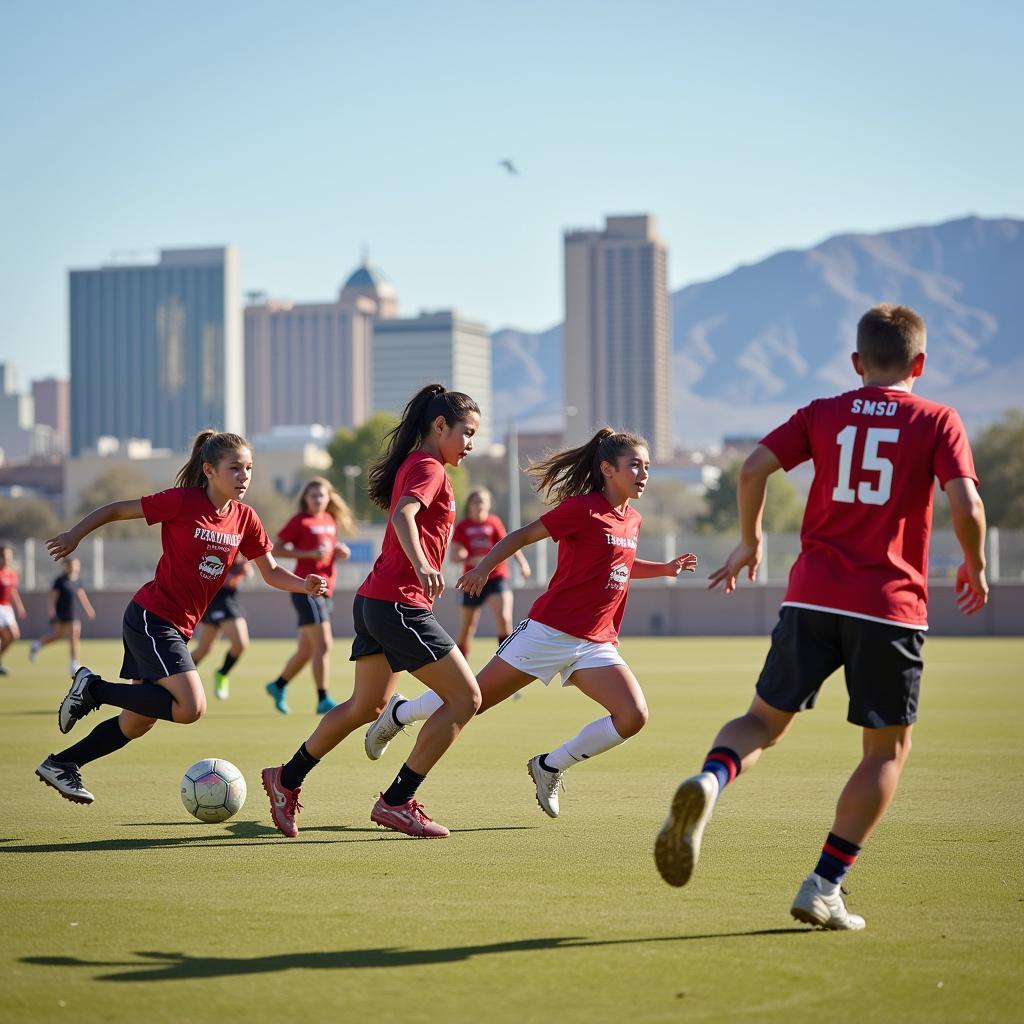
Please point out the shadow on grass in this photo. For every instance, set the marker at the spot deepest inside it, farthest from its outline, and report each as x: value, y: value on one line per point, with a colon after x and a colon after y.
x: 157, y: 966
x: 26, y: 714
x: 196, y: 833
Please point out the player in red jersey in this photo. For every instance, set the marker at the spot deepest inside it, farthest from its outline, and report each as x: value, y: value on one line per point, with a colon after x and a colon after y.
x: 474, y: 536
x: 311, y: 537
x: 204, y: 525
x: 573, y: 627
x: 225, y: 612
x: 857, y: 595
x: 394, y: 625
x: 11, y: 608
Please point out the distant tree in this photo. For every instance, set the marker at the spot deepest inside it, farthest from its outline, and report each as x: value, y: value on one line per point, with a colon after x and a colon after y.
x: 358, y: 448
x: 783, y: 510
x: 118, y: 483
x: 21, y: 518
x: 999, y: 460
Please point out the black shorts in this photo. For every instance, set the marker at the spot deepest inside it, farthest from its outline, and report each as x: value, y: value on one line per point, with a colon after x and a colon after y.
x: 882, y: 664
x: 312, y: 611
x: 495, y: 586
x: 408, y: 636
x: 224, y: 606
x: 153, y: 647
x: 72, y: 617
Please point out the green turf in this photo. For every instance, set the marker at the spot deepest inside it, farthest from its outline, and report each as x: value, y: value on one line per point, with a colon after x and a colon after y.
x: 128, y: 910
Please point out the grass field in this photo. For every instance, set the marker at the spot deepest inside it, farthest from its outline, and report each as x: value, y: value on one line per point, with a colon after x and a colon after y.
x: 129, y: 910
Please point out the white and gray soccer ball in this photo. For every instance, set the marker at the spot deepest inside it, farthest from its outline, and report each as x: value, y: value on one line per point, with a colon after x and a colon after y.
x: 213, y: 789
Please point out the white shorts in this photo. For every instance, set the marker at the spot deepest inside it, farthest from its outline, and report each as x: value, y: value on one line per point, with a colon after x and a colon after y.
x: 7, y: 619
x: 543, y: 652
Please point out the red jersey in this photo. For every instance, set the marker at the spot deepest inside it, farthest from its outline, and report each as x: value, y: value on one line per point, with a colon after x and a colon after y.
x: 864, y: 538
x: 8, y: 582
x: 305, y: 532
x: 478, y: 537
x: 586, y: 597
x: 392, y: 577
x: 199, y: 544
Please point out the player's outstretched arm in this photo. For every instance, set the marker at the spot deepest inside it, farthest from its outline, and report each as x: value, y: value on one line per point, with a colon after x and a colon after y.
x: 473, y: 581
x: 750, y: 496
x: 968, y: 513
x: 65, y: 543
x: 644, y: 570
x: 278, y: 577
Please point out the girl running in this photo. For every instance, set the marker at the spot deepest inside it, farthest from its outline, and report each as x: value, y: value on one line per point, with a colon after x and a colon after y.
x: 311, y: 538
x: 395, y: 630
x: 204, y: 525
x: 63, y: 612
x: 573, y: 627
x: 225, y: 613
x: 474, y: 536
x: 11, y: 608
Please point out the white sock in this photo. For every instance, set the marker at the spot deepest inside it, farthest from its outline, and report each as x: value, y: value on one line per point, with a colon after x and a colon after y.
x: 594, y: 739
x: 419, y: 709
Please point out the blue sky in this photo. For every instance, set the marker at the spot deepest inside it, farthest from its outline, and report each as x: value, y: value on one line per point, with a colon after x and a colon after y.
x: 303, y: 134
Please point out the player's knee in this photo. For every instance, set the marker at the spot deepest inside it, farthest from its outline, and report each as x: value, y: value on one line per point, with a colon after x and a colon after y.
x: 189, y: 712
x: 630, y: 722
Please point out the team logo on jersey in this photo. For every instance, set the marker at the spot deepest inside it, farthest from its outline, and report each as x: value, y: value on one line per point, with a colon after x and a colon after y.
x: 211, y: 566
x: 618, y: 578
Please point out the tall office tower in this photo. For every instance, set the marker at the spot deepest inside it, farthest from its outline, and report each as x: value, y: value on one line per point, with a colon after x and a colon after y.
x: 310, y: 362
x: 443, y: 348
x: 52, y: 398
x: 156, y: 349
x: 617, y: 332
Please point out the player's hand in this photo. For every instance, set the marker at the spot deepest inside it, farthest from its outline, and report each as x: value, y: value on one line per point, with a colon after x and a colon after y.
x: 431, y: 580
x: 682, y: 563
x: 472, y: 582
x: 315, y: 585
x: 743, y: 555
x: 62, y: 545
x: 971, y: 589
x: 341, y: 552
x: 525, y: 571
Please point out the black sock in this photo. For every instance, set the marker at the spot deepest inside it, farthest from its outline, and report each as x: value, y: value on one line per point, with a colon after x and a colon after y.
x: 294, y: 773
x: 320, y: 693
x: 280, y: 682
x: 404, y: 787
x: 148, y: 699
x: 229, y: 663
x: 104, y: 739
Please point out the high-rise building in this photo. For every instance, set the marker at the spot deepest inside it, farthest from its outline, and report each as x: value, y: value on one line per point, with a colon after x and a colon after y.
x: 311, y: 362
x: 52, y: 397
x: 617, y: 332
x: 434, y: 348
x: 156, y: 349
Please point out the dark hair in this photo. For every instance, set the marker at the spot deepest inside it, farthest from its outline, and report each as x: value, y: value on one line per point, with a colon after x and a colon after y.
x: 575, y: 471
x: 209, y: 446
x: 424, y: 407
x: 890, y: 337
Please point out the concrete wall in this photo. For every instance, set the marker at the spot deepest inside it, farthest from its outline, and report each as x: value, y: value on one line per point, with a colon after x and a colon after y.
x: 686, y: 609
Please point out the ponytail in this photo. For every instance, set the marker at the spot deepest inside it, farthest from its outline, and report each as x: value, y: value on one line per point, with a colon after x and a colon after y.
x: 337, y: 507
x: 209, y: 446
x: 424, y: 407
x: 577, y: 471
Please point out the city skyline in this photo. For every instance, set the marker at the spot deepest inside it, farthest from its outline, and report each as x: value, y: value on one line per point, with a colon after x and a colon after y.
x: 206, y: 140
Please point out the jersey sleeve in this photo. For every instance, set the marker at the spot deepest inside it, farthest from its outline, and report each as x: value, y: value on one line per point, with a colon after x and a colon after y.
x: 424, y: 481
x: 255, y: 542
x: 289, y: 533
x: 791, y: 442
x: 162, y: 506
x: 953, y: 457
x: 565, y: 518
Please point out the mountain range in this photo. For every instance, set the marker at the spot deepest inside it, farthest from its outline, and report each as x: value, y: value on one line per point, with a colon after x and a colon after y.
x: 753, y: 345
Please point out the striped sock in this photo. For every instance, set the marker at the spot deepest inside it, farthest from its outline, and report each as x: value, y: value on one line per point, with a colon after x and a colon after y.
x: 837, y: 857
x: 724, y: 763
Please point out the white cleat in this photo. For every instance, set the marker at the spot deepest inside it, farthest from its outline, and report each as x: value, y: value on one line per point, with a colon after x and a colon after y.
x: 384, y: 730
x: 820, y: 903
x: 677, y: 847
x: 77, y: 704
x: 548, y: 784
x: 66, y: 778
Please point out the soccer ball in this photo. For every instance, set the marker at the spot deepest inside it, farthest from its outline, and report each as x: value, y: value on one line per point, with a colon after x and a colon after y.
x: 213, y: 789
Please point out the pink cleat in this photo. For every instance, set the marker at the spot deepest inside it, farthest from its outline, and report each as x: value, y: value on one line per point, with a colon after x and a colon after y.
x: 408, y: 818
x: 284, y: 803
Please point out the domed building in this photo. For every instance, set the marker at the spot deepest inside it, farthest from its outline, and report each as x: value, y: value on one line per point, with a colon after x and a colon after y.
x: 367, y: 282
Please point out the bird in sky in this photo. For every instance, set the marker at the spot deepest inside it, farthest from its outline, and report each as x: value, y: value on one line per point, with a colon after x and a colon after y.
x: 509, y: 166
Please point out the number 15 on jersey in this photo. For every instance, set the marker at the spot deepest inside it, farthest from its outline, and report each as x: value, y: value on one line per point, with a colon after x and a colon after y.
x: 871, y: 461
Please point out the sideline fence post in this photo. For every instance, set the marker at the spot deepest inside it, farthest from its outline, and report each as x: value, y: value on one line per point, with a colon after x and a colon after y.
x: 97, y: 563
x: 993, y: 554
x: 30, y: 563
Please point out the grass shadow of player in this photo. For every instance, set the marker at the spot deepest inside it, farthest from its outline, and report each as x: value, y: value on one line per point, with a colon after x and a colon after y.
x: 158, y: 966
